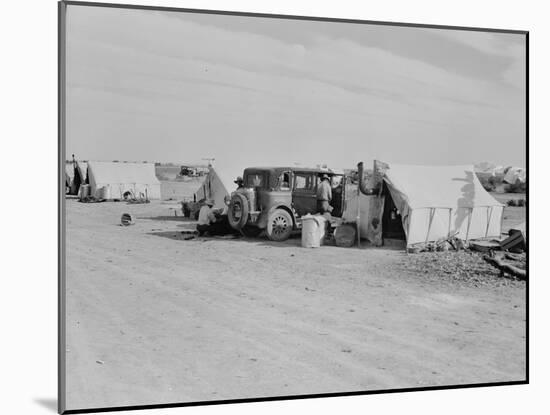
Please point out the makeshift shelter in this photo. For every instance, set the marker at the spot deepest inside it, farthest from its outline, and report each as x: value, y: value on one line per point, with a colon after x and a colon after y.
x: 218, y: 183
x: 430, y: 203
x: 120, y: 177
x: 75, y: 175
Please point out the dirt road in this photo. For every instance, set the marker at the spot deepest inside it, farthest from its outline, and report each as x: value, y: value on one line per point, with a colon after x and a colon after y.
x: 155, y: 319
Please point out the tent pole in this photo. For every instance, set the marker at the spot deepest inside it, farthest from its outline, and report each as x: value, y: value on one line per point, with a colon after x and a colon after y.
x: 432, y: 213
x: 489, y: 215
x: 358, y: 218
x: 450, y: 219
x: 469, y: 221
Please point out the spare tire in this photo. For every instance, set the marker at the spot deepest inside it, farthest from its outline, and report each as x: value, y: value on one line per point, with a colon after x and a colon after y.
x: 237, y: 213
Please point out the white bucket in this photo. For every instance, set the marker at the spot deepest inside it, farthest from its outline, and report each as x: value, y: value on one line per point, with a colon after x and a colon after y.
x: 313, y: 231
x: 84, y: 191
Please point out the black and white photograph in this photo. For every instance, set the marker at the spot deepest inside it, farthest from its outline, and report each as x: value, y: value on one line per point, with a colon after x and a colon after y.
x: 257, y: 207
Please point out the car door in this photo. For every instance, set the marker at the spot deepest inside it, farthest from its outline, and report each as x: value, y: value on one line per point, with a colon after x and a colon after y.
x: 304, y: 193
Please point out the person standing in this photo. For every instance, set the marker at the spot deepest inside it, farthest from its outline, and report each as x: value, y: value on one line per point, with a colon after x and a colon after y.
x: 324, y: 195
x: 239, y: 182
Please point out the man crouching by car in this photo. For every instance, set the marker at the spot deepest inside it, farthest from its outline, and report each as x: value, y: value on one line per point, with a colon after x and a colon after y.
x: 212, y: 221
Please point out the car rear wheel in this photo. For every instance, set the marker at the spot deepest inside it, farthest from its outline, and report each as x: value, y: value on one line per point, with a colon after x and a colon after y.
x: 279, y: 225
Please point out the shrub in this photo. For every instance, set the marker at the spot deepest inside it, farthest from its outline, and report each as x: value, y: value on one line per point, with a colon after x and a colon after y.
x: 522, y: 202
x: 487, y: 183
x: 517, y: 187
x: 512, y: 202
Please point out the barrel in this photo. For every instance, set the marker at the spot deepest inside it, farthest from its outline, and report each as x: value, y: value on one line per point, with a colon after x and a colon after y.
x: 104, y: 193
x: 313, y: 231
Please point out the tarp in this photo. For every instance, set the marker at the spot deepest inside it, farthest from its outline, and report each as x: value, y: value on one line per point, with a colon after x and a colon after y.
x: 370, y: 214
x: 137, y: 178
x: 218, y: 183
x: 438, y: 201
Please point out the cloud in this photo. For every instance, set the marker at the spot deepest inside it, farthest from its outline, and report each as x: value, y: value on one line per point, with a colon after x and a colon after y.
x: 185, y: 78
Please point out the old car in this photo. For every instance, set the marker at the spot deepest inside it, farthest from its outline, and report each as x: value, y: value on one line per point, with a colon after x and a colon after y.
x: 275, y: 198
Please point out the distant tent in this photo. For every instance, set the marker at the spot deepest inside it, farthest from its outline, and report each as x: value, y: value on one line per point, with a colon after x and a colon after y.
x: 75, y: 175
x: 218, y: 183
x: 136, y: 178
x: 430, y: 203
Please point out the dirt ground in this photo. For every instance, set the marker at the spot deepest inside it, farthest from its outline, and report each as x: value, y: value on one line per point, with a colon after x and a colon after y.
x: 152, y: 318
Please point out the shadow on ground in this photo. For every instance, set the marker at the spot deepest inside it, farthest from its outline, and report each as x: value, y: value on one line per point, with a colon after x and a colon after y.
x: 48, y: 403
x: 167, y: 217
x: 185, y: 236
x: 293, y: 242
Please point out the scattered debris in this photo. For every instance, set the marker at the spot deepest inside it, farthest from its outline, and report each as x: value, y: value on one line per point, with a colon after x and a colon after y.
x: 506, y: 267
x: 441, y: 245
x: 90, y: 199
x: 467, y: 267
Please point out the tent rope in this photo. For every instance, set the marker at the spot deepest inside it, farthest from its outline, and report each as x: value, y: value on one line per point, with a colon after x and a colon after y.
x: 469, y: 222
x: 432, y: 214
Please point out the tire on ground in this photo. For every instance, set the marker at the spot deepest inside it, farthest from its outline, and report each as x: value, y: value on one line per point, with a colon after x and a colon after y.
x: 237, y: 213
x: 279, y: 225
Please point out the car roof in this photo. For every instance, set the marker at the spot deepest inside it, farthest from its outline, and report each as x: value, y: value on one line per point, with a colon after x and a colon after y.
x: 294, y: 168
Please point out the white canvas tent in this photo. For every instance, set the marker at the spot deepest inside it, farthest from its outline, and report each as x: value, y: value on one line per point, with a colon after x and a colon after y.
x: 438, y: 201
x: 121, y: 177
x: 218, y: 183
x: 434, y: 202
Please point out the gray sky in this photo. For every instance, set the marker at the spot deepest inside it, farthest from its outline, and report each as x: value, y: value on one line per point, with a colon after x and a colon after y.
x: 162, y: 86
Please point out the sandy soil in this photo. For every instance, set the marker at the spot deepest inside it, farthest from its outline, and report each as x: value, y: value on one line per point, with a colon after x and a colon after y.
x: 152, y: 318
